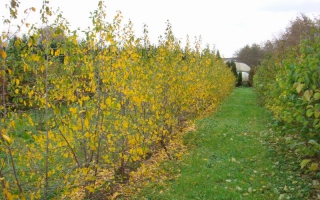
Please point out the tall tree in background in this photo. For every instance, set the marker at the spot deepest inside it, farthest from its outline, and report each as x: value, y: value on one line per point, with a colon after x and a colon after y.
x: 239, y: 79
x: 250, y: 55
x: 231, y: 64
x: 299, y: 29
x: 218, y: 55
x: 54, y: 35
x: 286, y: 45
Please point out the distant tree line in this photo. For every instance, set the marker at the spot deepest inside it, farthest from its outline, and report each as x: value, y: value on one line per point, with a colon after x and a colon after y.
x: 301, y: 28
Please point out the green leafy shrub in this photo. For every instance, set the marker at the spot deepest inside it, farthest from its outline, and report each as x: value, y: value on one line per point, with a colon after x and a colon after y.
x: 289, y: 85
x: 299, y: 102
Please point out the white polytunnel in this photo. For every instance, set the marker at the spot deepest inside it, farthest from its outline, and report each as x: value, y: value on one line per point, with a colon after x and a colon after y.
x: 245, y: 76
x: 242, y: 67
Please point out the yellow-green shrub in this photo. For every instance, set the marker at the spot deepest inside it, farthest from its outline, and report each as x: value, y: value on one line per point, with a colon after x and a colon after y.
x: 92, y: 119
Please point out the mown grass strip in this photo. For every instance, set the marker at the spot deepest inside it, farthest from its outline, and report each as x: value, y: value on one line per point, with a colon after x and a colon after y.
x: 232, y: 158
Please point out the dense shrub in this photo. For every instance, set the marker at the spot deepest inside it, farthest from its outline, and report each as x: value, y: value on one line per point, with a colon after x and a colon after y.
x: 85, y: 123
x: 289, y: 85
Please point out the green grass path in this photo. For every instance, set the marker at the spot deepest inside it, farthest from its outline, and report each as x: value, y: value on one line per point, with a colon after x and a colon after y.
x: 229, y: 158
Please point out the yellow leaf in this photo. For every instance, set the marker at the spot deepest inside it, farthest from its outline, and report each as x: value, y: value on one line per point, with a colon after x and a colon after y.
x: 115, y: 195
x: 82, y: 112
x: 91, y: 189
x: 30, y: 121
x: 6, y: 138
x: 3, y: 54
x: 86, y: 123
x: 125, y: 124
x: 75, y: 128
x: 93, y: 147
x: 73, y: 110
x: 12, y: 124
x: 304, y: 163
x: 33, y: 9
x: 314, y: 167
x: 108, y: 101
x: 25, y: 67
x: 307, y: 95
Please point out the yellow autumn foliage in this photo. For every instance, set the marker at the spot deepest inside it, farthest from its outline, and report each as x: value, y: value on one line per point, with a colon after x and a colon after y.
x: 94, y: 111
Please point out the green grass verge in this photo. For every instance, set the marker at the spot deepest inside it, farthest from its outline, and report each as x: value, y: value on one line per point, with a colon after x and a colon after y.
x: 232, y: 157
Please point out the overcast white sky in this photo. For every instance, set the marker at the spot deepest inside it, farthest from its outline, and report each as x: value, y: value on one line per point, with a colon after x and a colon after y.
x: 227, y: 24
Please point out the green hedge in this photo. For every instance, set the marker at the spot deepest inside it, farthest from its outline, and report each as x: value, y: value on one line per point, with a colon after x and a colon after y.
x: 289, y: 85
